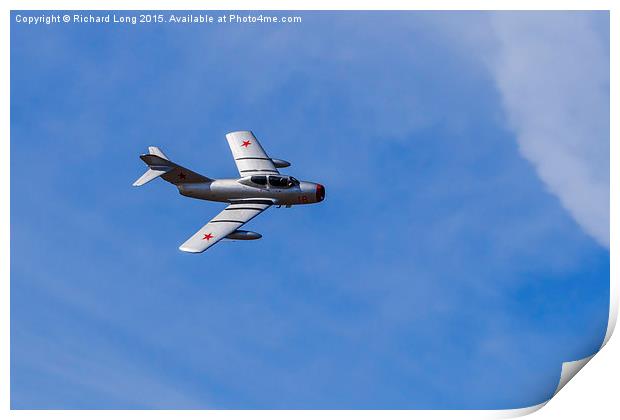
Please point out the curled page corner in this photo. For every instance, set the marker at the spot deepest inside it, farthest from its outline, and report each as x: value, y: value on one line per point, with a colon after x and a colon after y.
x: 613, y: 313
x: 519, y: 412
x: 570, y: 369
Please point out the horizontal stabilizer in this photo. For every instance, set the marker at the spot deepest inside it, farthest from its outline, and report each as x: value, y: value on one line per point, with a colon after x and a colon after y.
x: 149, y: 175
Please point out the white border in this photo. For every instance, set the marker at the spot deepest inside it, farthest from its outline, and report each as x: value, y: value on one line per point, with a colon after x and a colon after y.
x: 596, y: 385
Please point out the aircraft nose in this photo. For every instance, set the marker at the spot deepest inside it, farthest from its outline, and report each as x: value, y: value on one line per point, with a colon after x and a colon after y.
x: 320, y: 193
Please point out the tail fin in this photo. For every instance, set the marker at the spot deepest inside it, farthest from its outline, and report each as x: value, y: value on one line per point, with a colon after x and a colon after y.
x: 153, y: 150
x: 160, y: 165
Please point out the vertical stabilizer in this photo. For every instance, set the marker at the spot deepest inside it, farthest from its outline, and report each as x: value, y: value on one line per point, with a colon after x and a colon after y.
x: 154, y: 150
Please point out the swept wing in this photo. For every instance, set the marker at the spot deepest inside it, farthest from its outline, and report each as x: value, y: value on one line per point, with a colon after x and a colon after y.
x: 226, y: 222
x: 249, y: 155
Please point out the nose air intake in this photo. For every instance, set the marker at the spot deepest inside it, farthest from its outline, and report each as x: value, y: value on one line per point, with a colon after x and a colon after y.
x: 320, y: 193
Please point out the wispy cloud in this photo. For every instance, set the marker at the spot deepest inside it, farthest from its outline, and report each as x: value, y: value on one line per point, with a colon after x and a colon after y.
x: 552, y: 71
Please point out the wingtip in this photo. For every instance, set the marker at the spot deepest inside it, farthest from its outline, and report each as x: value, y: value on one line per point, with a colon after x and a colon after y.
x: 238, y: 132
x: 189, y: 250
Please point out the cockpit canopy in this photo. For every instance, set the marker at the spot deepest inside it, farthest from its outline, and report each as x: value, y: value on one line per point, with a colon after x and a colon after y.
x: 278, y: 181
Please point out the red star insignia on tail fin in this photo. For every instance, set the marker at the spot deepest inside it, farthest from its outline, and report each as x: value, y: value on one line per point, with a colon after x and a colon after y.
x: 246, y: 144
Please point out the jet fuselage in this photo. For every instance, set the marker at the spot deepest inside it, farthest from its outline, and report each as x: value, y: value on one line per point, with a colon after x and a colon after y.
x: 230, y: 190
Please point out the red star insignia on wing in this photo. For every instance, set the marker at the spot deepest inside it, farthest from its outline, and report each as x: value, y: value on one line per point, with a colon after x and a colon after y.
x: 246, y: 144
x: 207, y: 236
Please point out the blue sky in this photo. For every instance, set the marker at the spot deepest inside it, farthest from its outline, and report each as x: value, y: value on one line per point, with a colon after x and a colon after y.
x: 461, y: 254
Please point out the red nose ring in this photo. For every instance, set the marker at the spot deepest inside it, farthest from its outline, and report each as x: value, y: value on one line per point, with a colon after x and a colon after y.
x: 320, y: 193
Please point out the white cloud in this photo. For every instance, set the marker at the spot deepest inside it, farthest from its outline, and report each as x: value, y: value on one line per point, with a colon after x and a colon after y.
x: 552, y: 71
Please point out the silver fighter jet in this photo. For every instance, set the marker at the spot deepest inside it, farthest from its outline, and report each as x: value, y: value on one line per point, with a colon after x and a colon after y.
x: 260, y: 186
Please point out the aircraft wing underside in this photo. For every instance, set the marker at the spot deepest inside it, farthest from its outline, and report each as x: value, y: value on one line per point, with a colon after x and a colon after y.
x: 226, y: 222
x: 249, y: 155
